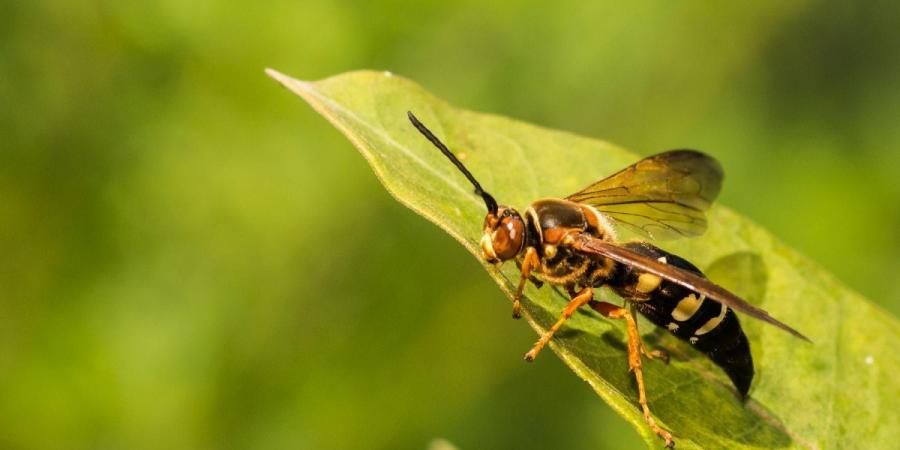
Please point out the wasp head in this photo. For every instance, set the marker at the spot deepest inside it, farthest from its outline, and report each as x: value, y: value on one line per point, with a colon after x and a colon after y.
x: 504, y: 229
x: 504, y: 235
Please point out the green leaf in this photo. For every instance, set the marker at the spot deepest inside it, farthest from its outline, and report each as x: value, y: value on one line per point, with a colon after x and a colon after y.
x: 840, y: 392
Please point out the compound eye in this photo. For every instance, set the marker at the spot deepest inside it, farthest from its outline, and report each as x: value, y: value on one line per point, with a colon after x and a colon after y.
x: 508, y: 237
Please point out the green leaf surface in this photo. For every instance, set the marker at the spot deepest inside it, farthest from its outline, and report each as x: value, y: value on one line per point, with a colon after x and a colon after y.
x: 840, y: 392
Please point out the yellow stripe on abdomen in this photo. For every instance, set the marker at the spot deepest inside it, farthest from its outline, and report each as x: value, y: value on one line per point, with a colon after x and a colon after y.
x: 712, y: 323
x: 687, y: 307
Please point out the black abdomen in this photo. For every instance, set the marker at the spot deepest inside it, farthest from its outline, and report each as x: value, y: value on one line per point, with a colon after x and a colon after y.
x: 709, y: 326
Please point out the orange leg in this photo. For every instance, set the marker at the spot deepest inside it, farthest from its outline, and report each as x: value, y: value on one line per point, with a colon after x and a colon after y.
x: 635, y: 348
x: 650, y: 354
x: 586, y: 295
x: 655, y: 354
x: 529, y: 262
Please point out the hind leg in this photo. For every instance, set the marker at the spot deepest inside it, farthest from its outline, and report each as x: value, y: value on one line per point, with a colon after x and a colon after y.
x: 655, y: 354
x: 634, y: 361
x: 650, y: 354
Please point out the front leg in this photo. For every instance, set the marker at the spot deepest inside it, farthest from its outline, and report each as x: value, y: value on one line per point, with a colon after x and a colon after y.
x: 529, y: 262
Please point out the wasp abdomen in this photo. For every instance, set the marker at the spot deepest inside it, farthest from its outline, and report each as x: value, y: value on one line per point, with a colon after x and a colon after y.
x: 709, y: 326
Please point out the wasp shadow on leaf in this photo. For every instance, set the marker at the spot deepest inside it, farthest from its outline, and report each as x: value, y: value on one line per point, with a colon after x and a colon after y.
x: 743, y: 273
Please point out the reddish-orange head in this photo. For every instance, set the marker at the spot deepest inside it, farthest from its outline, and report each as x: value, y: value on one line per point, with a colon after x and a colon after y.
x: 504, y: 235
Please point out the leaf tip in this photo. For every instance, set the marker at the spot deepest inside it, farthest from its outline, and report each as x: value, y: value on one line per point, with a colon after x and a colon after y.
x: 274, y: 73
x: 290, y: 83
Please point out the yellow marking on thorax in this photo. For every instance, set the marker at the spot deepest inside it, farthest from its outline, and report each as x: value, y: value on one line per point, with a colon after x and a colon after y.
x: 712, y: 323
x: 647, y: 283
x: 687, y: 307
x: 549, y: 251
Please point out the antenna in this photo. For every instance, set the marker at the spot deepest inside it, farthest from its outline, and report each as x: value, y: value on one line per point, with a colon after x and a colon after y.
x: 488, y: 199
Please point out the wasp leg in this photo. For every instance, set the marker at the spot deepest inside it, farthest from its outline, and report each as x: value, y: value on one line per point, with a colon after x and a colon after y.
x: 650, y: 354
x: 634, y: 361
x: 534, y: 280
x: 655, y: 354
x: 529, y: 262
x: 586, y: 295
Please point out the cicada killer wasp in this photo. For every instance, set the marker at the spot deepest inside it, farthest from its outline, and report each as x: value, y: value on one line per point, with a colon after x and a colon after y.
x: 571, y: 243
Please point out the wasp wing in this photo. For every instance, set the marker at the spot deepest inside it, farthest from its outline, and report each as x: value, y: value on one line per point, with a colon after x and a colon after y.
x: 682, y: 277
x: 663, y: 196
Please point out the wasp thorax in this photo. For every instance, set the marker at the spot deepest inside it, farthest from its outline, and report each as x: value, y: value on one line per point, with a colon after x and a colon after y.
x: 504, y: 235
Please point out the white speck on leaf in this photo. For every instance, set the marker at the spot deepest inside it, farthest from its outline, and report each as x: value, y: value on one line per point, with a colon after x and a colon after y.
x: 869, y: 360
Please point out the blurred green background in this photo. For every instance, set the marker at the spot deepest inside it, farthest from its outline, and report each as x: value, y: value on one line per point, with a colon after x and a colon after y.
x: 192, y: 258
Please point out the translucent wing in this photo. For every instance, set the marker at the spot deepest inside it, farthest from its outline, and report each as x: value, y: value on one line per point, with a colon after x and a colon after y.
x: 683, y: 277
x: 662, y: 196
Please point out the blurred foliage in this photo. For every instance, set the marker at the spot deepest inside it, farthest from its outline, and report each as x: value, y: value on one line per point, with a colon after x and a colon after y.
x: 191, y: 260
